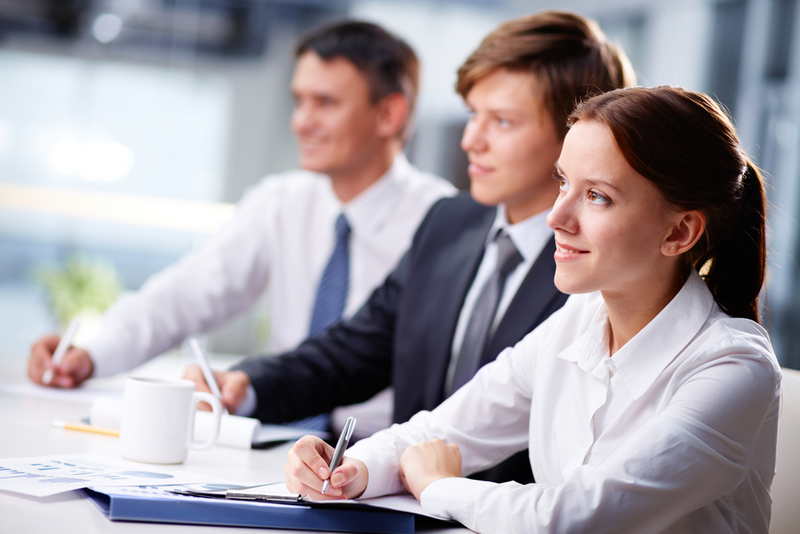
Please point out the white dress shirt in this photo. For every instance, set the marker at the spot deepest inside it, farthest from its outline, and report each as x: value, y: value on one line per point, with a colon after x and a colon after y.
x: 280, y: 239
x: 676, y: 432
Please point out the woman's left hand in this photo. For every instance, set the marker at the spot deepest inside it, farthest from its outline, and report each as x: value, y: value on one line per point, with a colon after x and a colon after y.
x: 428, y: 462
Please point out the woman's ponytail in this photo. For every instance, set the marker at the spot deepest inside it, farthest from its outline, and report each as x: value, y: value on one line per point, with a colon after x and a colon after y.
x: 738, y: 261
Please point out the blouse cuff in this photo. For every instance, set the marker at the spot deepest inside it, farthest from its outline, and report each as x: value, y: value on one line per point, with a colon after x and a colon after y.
x: 453, y: 498
x: 383, y: 478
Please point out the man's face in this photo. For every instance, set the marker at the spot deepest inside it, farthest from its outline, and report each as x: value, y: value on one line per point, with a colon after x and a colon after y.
x: 334, y: 121
x: 512, y: 145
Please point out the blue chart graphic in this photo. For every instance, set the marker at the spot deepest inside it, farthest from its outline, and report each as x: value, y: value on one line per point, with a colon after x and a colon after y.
x: 145, y: 474
x: 45, y: 476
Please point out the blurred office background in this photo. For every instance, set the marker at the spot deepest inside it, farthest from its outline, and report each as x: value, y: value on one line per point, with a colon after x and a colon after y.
x: 129, y: 128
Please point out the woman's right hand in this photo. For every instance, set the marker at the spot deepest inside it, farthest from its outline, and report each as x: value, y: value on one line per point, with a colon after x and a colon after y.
x: 307, y: 469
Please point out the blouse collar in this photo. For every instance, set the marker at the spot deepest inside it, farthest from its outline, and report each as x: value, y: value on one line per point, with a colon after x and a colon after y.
x: 644, y: 357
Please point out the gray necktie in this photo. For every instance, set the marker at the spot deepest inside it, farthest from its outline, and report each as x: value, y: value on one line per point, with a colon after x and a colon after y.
x: 480, y: 322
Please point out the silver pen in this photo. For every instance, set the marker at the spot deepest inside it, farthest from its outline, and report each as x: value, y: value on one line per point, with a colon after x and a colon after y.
x: 338, y: 452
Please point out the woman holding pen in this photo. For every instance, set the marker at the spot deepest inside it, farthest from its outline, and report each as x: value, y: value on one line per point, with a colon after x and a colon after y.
x: 650, y: 401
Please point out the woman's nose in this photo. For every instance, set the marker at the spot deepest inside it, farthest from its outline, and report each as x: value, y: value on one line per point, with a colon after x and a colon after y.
x: 562, y: 215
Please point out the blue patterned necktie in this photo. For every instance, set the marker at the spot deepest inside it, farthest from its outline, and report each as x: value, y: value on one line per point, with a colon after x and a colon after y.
x: 329, y: 304
x: 479, y: 326
x: 332, y: 290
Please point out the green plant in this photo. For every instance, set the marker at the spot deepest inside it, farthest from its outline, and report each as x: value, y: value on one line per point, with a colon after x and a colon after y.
x: 81, y: 285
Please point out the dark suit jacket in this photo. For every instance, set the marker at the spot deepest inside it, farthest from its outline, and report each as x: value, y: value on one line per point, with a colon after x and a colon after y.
x: 403, y: 334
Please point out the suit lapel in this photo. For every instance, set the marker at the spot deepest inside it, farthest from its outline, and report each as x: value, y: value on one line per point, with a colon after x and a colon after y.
x: 455, y: 276
x: 533, y: 298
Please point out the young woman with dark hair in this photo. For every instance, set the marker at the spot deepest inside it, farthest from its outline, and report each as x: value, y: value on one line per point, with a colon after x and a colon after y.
x: 650, y: 401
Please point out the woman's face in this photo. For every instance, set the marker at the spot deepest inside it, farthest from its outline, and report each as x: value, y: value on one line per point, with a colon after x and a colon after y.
x: 610, y: 222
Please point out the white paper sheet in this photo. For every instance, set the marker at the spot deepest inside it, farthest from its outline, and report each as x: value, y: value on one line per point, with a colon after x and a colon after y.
x: 85, y: 394
x: 43, y: 476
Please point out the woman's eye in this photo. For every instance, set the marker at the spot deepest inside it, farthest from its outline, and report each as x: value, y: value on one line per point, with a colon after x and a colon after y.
x: 503, y: 123
x: 562, y: 182
x: 597, y: 198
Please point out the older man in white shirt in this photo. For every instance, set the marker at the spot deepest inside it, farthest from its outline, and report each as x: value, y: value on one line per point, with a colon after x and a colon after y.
x: 320, y: 239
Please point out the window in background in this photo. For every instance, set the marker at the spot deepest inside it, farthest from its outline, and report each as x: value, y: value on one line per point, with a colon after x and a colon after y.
x: 726, y: 49
x: 443, y: 35
x: 110, y: 126
x: 777, y: 151
x: 119, y: 161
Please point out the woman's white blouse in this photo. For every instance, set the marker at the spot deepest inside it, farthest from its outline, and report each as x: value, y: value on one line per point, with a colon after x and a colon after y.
x: 676, y: 432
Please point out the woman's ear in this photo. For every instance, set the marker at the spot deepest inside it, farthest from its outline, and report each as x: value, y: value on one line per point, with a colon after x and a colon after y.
x: 392, y: 115
x: 688, y: 228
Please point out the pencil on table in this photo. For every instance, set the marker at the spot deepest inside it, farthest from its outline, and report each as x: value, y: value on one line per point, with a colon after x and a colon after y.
x: 86, y: 428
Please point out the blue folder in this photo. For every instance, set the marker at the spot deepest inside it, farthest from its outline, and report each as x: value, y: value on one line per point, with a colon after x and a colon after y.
x: 155, y: 505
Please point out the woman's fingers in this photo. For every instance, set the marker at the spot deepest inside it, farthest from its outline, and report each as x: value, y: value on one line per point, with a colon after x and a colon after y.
x: 307, y: 469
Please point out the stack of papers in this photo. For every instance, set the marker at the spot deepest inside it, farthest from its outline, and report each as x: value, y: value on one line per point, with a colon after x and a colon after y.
x: 131, y: 491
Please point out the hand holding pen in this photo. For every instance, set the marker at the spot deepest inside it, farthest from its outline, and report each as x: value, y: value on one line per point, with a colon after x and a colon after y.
x: 231, y: 386
x: 338, y: 452
x: 310, y: 474
x: 205, y: 367
x: 53, y: 361
x: 61, y: 350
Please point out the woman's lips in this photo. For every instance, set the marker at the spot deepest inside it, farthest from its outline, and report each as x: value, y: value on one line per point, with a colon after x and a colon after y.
x: 565, y: 252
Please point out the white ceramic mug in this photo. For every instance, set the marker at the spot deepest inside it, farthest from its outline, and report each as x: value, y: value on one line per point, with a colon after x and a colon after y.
x: 158, y: 420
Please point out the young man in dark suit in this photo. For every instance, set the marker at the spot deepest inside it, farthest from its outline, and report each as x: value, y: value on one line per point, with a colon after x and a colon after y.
x: 479, y: 274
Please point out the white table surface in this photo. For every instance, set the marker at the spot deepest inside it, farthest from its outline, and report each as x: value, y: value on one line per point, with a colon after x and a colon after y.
x: 26, y: 430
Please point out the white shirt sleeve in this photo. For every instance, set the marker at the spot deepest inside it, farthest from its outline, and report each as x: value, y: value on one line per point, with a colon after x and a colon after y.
x: 487, y: 428
x: 281, y: 237
x: 206, y: 287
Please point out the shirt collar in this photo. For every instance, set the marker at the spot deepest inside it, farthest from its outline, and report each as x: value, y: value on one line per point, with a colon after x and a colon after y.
x: 642, y: 359
x: 592, y: 345
x: 527, y: 235
x: 374, y: 206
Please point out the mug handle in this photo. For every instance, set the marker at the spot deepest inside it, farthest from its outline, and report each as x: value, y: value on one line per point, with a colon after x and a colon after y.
x: 216, y: 409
